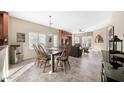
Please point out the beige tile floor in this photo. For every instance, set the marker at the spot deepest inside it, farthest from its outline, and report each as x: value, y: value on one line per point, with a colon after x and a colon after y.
x: 84, y: 69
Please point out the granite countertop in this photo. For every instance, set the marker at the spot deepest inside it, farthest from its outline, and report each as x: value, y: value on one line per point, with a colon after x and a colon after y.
x: 118, y: 55
x: 115, y: 74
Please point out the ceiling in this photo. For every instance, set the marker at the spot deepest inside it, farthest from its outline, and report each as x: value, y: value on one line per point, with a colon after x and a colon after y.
x: 70, y: 21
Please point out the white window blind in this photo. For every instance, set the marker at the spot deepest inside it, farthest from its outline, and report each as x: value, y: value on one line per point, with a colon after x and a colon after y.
x: 77, y: 39
x: 33, y: 39
x: 36, y: 38
x: 42, y: 39
x: 87, y: 41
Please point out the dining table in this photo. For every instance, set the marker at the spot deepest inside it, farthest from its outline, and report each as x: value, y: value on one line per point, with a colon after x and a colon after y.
x: 53, y: 52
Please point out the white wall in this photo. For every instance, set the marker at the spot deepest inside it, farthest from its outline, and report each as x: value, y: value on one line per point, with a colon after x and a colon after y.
x: 102, y: 32
x: 18, y: 25
x: 118, y: 22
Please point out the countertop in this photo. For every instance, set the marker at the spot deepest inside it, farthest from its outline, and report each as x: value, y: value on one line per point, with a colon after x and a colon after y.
x: 114, y: 74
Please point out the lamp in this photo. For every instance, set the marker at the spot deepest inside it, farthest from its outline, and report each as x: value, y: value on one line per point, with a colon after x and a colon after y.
x: 49, y: 34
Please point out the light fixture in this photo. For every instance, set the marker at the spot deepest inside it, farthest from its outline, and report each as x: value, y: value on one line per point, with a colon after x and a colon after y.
x: 50, y: 26
x: 50, y: 23
x: 81, y: 30
x: 50, y: 34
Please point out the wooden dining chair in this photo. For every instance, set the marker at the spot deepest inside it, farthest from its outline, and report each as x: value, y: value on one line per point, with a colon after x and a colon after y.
x: 37, y: 55
x: 41, y: 58
x: 63, y: 60
x: 40, y: 46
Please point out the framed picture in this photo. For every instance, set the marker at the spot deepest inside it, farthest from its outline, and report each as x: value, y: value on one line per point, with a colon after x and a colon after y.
x: 20, y: 37
x: 110, y: 32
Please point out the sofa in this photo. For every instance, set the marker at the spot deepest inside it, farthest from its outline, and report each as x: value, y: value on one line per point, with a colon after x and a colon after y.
x: 75, y: 51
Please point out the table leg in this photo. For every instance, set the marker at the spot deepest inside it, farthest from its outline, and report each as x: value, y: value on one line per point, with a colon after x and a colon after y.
x: 52, y: 64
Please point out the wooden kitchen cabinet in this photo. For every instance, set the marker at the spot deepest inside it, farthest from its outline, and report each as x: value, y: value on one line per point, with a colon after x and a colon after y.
x: 3, y: 28
x: 65, y: 37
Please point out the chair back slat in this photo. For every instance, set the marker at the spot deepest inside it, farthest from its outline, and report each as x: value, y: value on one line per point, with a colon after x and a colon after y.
x: 65, y: 53
x: 39, y: 53
x: 42, y: 49
x: 35, y: 48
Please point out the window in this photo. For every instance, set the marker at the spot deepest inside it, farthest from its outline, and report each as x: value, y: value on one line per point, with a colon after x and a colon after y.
x: 33, y: 39
x: 87, y: 41
x: 42, y: 38
x: 36, y: 38
x: 55, y: 41
x: 77, y: 39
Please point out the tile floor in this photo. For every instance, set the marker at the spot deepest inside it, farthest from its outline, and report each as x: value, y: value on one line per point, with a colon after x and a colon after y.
x: 84, y: 69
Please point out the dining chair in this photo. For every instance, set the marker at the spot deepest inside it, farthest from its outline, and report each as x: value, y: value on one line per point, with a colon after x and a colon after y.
x: 41, y: 47
x: 41, y: 58
x: 37, y: 55
x: 63, y: 60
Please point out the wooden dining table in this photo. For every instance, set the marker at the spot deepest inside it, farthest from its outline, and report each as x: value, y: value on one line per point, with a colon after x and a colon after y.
x: 53, y: 52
